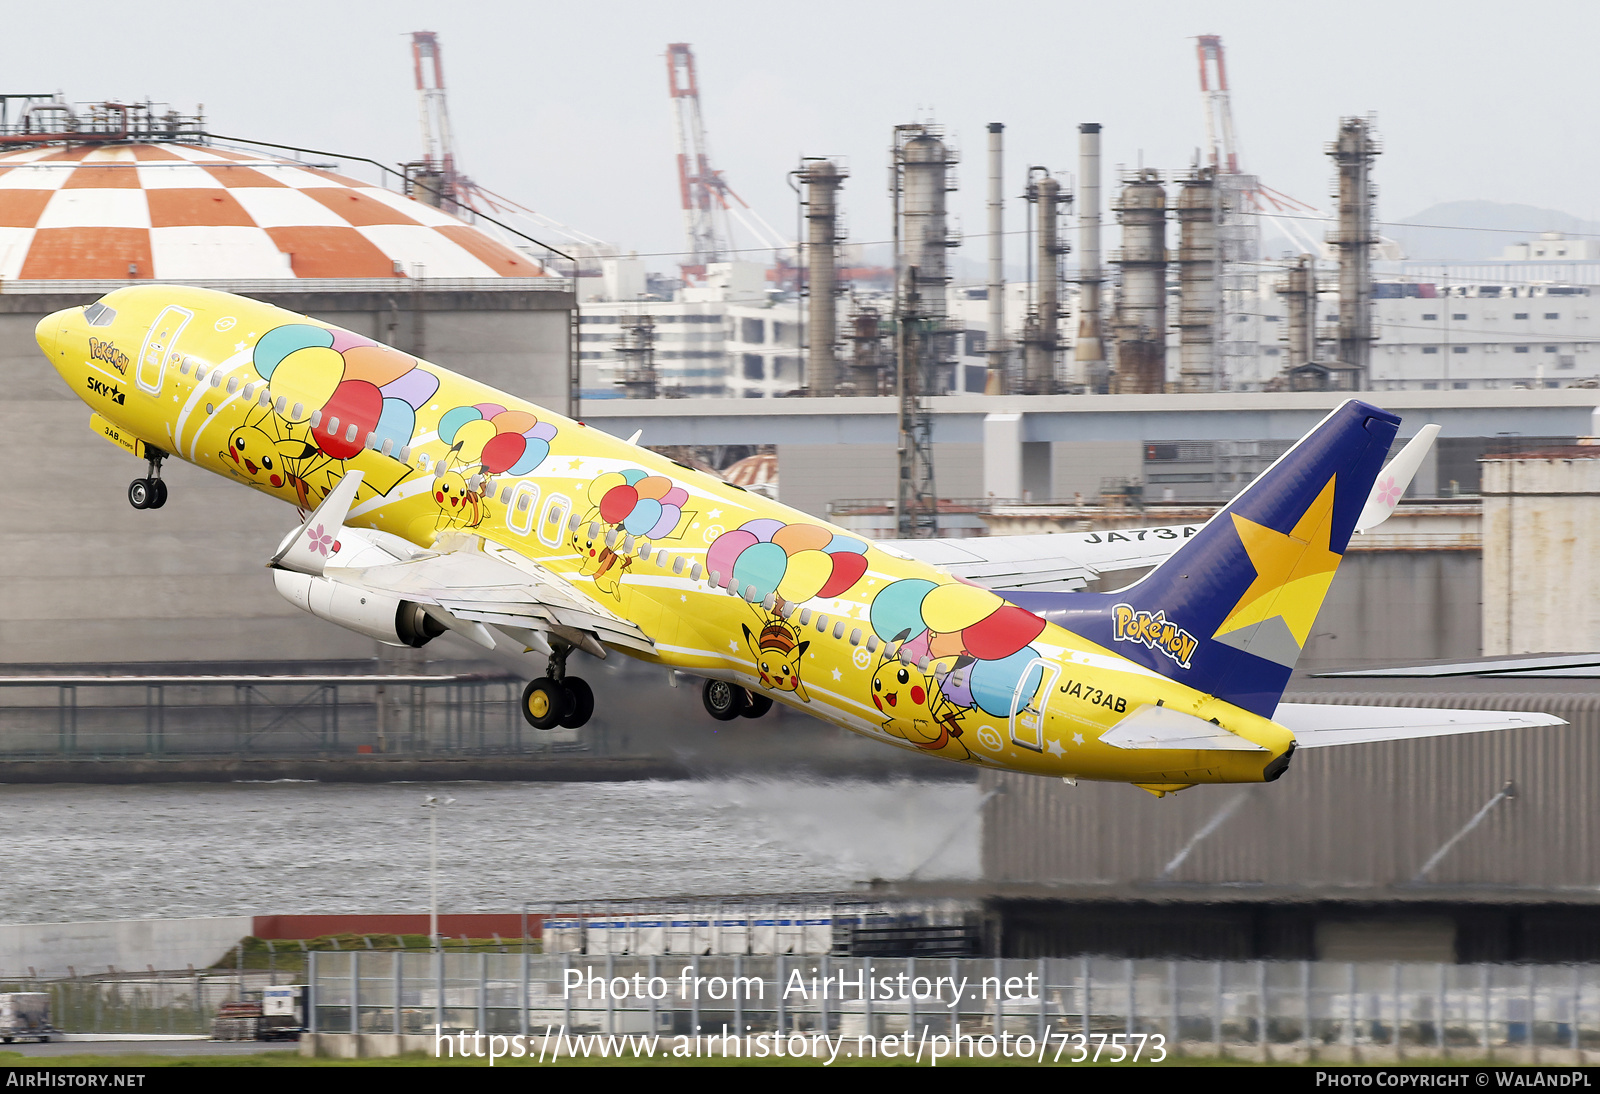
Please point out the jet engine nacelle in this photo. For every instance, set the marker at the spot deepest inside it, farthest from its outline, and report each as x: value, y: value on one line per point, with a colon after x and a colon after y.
x: 377, y: 615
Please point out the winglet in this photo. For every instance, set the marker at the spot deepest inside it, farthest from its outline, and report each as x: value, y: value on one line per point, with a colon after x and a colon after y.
x: 1393, y: 480
x: 307, y: 550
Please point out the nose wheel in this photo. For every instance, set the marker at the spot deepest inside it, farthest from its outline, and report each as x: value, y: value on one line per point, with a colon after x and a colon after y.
x: 149, y: 492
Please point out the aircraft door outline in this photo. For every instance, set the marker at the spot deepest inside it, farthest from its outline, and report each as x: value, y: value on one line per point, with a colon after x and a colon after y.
x: 160, y: 341
x: 524, y: 503
x: 1027, y: 725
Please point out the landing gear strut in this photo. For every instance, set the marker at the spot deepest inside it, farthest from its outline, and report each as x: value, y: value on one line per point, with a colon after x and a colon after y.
x: 149, y: 492
x: 557, y: 699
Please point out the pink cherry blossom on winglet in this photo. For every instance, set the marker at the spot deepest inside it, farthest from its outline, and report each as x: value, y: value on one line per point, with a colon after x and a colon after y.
x: 319, y: 540
x: 1388, y: 492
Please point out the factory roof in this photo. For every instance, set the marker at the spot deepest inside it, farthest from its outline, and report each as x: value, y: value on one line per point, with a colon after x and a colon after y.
x: 185, y: 212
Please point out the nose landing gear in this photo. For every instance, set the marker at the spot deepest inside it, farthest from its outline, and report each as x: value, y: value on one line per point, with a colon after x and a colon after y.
x: 149, y: 492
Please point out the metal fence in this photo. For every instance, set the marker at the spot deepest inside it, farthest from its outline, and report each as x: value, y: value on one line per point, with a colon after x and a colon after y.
x: 1199, y: 1007
x: 158, y: 1003
x: 250, y: 715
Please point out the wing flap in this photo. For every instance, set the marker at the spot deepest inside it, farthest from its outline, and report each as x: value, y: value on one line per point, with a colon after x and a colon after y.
x: 1318, y: 725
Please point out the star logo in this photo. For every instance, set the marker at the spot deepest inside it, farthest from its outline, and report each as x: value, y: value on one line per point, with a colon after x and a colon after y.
x: 1077, y: 738
x: 837, y: 675
x: 732, y: 645
x: 714, y: 514
x: 1293, y: 570
x: 574, y: 465
x: 1056, y: 750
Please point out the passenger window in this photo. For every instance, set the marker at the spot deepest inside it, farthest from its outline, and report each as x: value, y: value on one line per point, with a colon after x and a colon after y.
x: 550, y: 527
x: 524, y: 503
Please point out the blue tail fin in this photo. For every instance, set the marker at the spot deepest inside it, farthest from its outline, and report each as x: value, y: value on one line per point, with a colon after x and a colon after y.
x: 1229, y: 613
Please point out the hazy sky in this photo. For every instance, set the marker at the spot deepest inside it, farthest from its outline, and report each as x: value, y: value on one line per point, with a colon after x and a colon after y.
x: 564, y: 106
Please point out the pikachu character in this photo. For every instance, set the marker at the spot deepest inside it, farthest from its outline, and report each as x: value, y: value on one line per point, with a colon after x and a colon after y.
x: 266, y: 451
x: 459, y: 498
x: 778, y: 650
x: 593, y: 542
x: 916, y: 708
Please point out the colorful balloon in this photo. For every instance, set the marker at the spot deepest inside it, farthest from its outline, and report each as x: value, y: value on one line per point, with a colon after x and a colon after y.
x: 644, y: 505
x: 795, y: 561
x: 952, y: 619
x: 503, y: 441
x: 1005, y: 686
x: 352, y: 381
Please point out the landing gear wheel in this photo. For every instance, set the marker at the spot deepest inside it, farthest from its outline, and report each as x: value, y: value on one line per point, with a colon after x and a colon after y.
x: 755, y: 705
x: 724, y: 701
x: 545, y: 703
x: 582, y: 700
x: 158, y: 493
x: 141, y: 493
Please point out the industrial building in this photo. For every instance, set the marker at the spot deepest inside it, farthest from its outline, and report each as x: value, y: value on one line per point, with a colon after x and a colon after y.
x: 113, y: 201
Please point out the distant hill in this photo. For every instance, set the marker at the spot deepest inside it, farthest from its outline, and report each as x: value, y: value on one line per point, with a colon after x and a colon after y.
x: 1472, y: 230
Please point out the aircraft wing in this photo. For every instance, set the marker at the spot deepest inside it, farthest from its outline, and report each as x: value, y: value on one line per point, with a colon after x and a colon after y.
x: 481, y: 582
x: 1318, y: 725
x: 1059, y: 562
x: 466, y: 583
x: 1067, y: 561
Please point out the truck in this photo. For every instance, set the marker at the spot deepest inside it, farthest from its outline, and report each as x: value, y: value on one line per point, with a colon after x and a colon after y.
x: 25, y: 1015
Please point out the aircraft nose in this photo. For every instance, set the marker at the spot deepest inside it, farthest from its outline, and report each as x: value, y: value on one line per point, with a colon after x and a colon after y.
x: 46, y: 333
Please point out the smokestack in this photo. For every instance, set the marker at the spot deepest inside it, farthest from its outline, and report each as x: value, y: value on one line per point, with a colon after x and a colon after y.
x: 995, y: 382
x: 1043, y: 334
x: 1352, y: 154
x: 1299, y: 292
x: 1090, y: 354
x: 823, y: 179
x: 1197, y: 281
x: 1141, y: 317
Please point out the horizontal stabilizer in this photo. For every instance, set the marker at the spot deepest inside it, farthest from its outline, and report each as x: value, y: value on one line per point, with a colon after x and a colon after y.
x: 1163, y: 727
x: 307, y: 551
x: 1318, y: 725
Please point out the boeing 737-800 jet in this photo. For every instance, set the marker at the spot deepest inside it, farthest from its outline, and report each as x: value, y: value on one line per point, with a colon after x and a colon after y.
x: 438, y: 504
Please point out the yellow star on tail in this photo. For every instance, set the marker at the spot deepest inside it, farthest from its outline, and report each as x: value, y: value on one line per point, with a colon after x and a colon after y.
x: 1293, y: 571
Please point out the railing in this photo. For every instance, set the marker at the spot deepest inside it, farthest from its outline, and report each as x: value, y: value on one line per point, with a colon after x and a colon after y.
x: 1280, y: 1010
x: 264, y: 716
x: 249, y: 286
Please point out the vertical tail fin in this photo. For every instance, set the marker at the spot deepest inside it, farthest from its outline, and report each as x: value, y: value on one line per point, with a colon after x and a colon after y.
x: 1229, y: 613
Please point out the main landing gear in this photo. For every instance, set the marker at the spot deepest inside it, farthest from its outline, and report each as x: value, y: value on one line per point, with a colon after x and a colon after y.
x: 557, y: 699
x: 149, y: 492
x: 725, y: 701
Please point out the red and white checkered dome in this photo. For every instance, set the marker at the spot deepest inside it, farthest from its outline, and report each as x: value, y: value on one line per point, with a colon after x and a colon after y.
x: 179, y: 212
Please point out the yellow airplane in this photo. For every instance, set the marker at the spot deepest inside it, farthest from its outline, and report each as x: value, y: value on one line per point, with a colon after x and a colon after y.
x: 439, y: 504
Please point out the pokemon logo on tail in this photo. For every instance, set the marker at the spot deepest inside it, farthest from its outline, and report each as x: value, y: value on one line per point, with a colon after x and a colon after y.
x: 440, y: 504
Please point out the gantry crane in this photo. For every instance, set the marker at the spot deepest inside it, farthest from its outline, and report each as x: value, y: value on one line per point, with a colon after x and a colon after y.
x: 703, y: 190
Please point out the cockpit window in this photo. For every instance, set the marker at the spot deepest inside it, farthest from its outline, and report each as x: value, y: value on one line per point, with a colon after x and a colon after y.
x: 98, y: 315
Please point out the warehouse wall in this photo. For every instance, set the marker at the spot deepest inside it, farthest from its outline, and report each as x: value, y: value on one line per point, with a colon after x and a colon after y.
x: 1367, y: 816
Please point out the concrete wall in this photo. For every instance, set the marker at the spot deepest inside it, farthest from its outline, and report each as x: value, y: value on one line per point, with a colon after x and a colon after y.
x: 1541, y: 555
x: 90, y: 579
x: 51, y: 949
x: 812, y: 475
x: 1078, y: 467
x: 1398, y: 606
